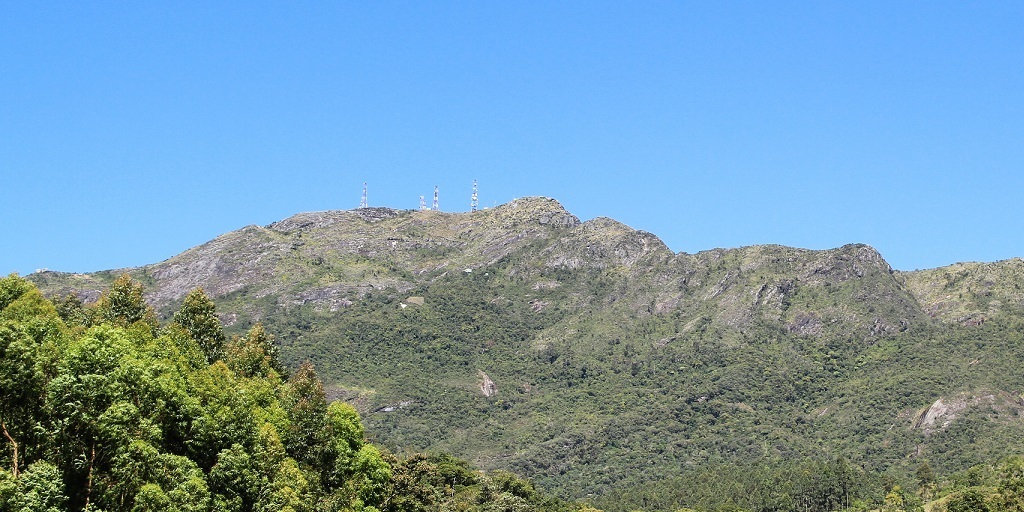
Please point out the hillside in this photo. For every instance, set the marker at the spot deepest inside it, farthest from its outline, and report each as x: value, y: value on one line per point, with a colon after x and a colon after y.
x: 590, y: 356
x: 103, y: 408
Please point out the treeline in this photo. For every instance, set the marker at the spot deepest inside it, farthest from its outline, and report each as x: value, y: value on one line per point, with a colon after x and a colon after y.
x: 103, y: 408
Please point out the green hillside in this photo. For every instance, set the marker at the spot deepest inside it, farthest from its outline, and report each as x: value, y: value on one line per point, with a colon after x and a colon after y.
x: 593, y: 359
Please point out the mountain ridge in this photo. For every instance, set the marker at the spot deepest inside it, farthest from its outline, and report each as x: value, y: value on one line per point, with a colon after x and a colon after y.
x: 184, y: 273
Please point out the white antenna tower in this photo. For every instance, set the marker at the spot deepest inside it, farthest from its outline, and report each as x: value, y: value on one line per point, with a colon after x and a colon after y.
x: 423, y: 203
x: 362, y: 203
x: 435, y: 208
x: 473, y: 199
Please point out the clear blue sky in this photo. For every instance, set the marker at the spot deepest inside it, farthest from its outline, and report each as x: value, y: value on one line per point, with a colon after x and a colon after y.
x: 131, y: 131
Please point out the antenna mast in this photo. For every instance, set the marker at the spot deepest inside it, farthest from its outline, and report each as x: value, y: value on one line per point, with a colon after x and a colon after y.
x: 423, y: 203
x: 435, y: 208
x: 473, y: 199
x: 362, y: 203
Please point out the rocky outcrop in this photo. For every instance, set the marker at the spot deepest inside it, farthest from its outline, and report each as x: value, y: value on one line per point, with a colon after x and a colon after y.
x: 946, y: 410
x: 487, y: 386
x: 602, y: 243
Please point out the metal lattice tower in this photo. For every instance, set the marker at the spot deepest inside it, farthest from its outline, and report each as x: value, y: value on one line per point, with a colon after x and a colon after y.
x: 473, y: 200
x: 435, y: 207
x: 423, y: 203
x: 362, y: 203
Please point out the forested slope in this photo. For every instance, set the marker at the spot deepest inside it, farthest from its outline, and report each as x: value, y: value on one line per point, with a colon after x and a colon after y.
x: 592, y: 358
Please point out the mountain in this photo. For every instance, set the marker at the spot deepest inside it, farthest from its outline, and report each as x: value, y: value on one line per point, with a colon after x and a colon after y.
x: 592, y: 358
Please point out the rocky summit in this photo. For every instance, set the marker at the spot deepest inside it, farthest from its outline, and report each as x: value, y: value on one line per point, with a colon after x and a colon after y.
x: 591, y: 357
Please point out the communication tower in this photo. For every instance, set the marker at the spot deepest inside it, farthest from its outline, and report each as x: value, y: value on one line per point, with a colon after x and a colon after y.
x: 473, y: 199
x: 423, y: 203
x: 362, y: 203
x: 435, y: 208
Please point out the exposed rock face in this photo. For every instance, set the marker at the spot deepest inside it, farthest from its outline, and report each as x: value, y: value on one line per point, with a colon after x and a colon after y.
x: 602, y: 243
x: 804, y: 323
x: 221, y: 266
x: 947, y: 410
x: 809, y: 292
x: 487, y: 386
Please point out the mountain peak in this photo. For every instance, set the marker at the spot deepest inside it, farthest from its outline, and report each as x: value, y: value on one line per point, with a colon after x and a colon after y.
x: 543, y: 210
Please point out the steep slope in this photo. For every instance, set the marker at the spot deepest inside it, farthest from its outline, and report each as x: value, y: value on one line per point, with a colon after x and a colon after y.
x: 592, y: 357
x: 332, y: 257
x: 850, y: 289
x: 969, y: 293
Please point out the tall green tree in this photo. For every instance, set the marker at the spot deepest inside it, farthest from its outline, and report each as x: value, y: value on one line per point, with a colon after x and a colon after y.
x: 156, y: 481
x: 12, y: 287
x: 227, y: 414
x: 253, y: 355
x: 198, y: 315
x: 305, y: 402
x: 236, y: 481
x: 30, y: 333
x: 72, y: 310
x: 39, y: 489
x: 94, y: 410
x: 124, y: 304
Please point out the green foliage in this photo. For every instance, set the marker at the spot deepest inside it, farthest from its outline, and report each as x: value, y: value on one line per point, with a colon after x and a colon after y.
x: 372, y: 475
x: 11, y: 288
x: 198, y: 316
x: 124, y: 304
x: 597, y: 394
x: 114, y: 417
x: 305, y: 403
x: 235, y: 480
x: 72, y: 311
x: 253, y: 355
x: 925, y: 475
x: 38, y: 489
x: 969, y: 500
x: 768, y: 485
x: 30, y: 338
x: 898, y: 500
x: 156, y: 481
x: 1011, y: 485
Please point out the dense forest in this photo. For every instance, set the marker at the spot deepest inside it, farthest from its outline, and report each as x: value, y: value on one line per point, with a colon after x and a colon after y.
x: 104, y: 408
